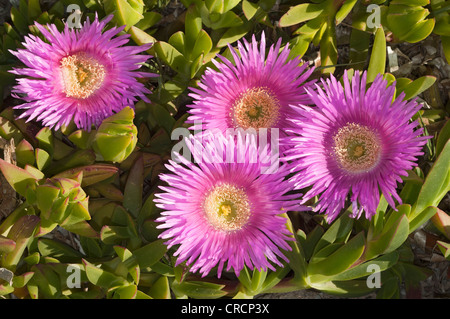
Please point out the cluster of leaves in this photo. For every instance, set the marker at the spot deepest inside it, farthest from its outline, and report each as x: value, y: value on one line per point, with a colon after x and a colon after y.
x: 408, y: 21
x: 97, y: 187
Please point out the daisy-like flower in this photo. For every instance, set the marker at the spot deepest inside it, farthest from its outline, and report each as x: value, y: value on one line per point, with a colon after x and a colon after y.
x: 84, y: 75
x: 354, y: 143
x: 254, y: 92
x: 221, y: 211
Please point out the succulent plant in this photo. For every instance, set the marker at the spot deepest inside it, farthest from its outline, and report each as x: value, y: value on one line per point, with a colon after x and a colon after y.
x: 87, y: 223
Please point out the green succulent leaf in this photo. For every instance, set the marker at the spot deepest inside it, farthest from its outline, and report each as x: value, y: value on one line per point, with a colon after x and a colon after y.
x: 20, y: 211
x: 408, y: 22
x: 301, y: 13
x: 215, y: 20
x: 81, y: 138
x: 77, y: 212
x: 45, y: 227
x: 412, y: 3
x: 413, y: 275
x: 132, y: 199
x: 446, y: 47
x: 116, y: 137
x: 233, y: 34
x: 19, y: 20
x: 199, y: 289
x: 33, y: 290
x: 307, y: 32
x: 82, y: 228
x: 21, y: 280
x: 126, y: 292
x: 338, y: 232
x: 445, y: 248
x: 43, y: 159
x: 6, y: 275
x: 140, y: 37
x: 352, y: 288
x: 45, y: 195
x: 395, y: 232
x: 443, y: 137
x: 165, y: 120
x: 417, y: 86
x: 77, y: 158
x: 92, y: 174
x: 417, y: 220
x: 45, y: 139
x: 150, y: 254
x: 114, y: 234
x: 171, y: 56
x: 25, y: 153
x: 21, y: 233
x: 18, y: 178
x: 160, y: 288
x: 383, y: 262
x: 344, y: 10
x: 178, y: 41
x: 149, y: 19
x: 6, y: 245
x: 112, y: 151
x: 442, y: 222
x: 420, y: 31
x: 102, y: 278
x: 377, y: 63
x: 123, y: 253
x: 328, y: 48
x: 193, y: 26
x: 9, y: 130
x: 34, y: 9
x: 92, y: 247
x: 436, y: 185
x: 339, y: 261
x: 250, y: 9
x: 58, y: 250
x: 309, y: 243
x: 125, y: 12
x: 203, y: 44
x: 214, y: 5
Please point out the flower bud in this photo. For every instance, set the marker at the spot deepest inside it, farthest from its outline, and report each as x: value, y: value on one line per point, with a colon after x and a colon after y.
x: 116, y: 137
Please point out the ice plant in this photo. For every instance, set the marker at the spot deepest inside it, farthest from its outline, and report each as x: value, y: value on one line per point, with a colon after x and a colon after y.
x: 223, y: 211
x: 352, y: 144
x: 116, y: 138
x: 84, y: 75
x: 254, y: 92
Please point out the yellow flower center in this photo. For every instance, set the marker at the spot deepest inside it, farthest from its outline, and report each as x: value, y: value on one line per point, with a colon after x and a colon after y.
x: 256, y: 108
x: 81, y: 75
x: 357, y: 148
x: 227, y: 207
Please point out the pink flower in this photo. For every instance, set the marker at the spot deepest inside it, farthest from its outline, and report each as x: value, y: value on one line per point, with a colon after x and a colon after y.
x: 82, y: 75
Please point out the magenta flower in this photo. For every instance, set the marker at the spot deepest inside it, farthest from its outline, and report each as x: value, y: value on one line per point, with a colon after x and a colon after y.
x: 254, y: 92
x: 225, y: 211
x: 82, y: 75
x: 353, y: 143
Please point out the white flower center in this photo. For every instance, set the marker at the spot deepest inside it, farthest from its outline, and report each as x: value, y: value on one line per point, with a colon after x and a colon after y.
x: 256, y: 108
x: 357, y: 148
x: 81, y: 75
x: 227, y: 207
